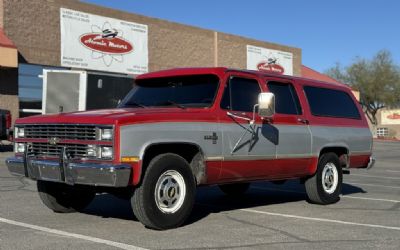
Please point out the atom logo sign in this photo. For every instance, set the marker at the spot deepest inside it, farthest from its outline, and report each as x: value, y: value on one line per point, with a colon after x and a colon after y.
x: 269, y: 60
x: 106, y: 43
x: 271, y: 65
x: 100, y: 43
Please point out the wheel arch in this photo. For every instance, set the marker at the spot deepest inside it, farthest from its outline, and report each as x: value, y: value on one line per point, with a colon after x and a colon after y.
x: 186, y: 149
x: 341, y: 150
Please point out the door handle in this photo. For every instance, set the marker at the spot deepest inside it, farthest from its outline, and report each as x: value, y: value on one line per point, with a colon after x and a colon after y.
x: 304, y: 121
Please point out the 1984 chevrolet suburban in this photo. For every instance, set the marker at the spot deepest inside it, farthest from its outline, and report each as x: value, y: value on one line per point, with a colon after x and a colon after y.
x: 183, y: 128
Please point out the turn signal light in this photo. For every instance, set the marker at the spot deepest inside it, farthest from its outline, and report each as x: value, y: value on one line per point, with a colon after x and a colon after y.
x: 130, y: 159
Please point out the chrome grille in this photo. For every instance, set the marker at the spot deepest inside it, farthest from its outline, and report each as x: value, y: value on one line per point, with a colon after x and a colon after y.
x: 66, y: 132
x: 46, y: 149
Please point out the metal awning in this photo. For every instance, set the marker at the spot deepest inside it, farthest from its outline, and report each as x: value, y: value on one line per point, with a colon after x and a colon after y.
x: 8, y: 52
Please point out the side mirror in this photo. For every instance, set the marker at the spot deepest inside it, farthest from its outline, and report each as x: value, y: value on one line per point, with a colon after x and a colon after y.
x: 266, y: 104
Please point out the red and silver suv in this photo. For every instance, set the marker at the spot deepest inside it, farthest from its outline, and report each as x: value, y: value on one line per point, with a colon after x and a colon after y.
x: 179, y: 129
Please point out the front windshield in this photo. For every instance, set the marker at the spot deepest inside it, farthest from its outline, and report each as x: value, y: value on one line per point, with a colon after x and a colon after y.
x: 181, y: 91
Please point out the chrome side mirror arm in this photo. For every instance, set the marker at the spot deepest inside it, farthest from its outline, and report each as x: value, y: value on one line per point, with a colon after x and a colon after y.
x: 251, y: 129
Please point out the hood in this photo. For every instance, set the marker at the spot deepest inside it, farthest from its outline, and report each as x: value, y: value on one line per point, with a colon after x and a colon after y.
x: 119, y: 116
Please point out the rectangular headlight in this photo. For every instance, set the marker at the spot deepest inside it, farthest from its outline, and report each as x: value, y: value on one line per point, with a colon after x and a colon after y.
x: 91, y: 151
x: 104, y: 134
x: 106, y: 152
x: 100, y: 152
x: 19, y: 147
x: 19, y: 132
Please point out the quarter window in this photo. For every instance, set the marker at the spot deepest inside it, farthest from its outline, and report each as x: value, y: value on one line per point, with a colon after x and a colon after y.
x: 331, y: 103
x: 286, y: 100
x: 241, y: 94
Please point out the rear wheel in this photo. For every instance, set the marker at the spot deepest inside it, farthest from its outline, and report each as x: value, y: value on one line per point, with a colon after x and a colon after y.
x: 165, y: 198
x: 325, y: 185
x: 62, y: 198
x: 235, y: 188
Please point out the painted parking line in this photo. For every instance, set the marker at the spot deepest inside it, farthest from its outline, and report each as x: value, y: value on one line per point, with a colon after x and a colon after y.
x: 376, y: 176
x: 370, y: 199
x: 373, y: 185
x: 292, y: 216
x: 393, y: 171
x: 73, y: 235
x: 321, y: 219
x: 343, y: 196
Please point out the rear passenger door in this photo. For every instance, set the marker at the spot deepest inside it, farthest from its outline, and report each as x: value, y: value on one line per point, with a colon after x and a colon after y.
x: 293, y: 151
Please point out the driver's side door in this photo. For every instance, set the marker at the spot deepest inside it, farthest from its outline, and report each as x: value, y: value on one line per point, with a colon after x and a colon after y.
x: 248, y: 150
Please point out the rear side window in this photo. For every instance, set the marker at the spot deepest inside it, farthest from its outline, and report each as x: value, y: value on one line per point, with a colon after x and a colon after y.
x: 286, y: 100
x: 331, y: 103
x: 241, y: 94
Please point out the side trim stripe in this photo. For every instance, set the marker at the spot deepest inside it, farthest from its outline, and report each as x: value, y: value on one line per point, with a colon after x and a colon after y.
x: 258, y: 157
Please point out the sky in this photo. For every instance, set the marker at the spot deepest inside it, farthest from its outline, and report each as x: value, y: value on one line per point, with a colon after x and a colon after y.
x: 328, y: 32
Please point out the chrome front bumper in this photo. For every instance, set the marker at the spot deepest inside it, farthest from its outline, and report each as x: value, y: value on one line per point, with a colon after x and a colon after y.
x: 94, y: 174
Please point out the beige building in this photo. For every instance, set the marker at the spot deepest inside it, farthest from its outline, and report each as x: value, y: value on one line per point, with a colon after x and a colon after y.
x: 388, y: 124
x: 43, y: 31
x: 66, y: 36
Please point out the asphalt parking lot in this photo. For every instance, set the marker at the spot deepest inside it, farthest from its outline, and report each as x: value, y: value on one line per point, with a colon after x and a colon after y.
x: 268, y: 216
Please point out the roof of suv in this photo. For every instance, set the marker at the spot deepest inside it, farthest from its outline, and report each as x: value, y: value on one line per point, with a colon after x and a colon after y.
x: 222, y: 70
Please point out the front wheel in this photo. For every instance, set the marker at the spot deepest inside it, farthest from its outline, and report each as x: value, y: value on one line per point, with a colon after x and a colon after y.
x: 165, y: 198
x: 62, y: 198
x: 325, y: 185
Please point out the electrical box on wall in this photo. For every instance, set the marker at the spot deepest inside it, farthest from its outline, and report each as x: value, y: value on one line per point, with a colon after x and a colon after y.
x: 64, y: 91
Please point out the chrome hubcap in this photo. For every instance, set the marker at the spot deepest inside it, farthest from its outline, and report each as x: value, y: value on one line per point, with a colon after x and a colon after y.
x: 170, y: 191
x: 330, y: 178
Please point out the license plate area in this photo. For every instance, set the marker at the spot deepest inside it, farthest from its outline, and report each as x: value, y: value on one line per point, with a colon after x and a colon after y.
x: 47, y: 170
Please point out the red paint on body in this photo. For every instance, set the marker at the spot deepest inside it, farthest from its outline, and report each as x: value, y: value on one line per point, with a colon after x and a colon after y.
x: 359, y: 161
x: 267, y: 169
x: 213, y: 170
x: 62, y: 141
x: 136, y: 173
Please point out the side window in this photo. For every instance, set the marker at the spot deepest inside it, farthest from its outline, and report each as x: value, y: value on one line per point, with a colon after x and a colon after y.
x: 286, y: 100
x: 241, y: 94
x: 331, y: 103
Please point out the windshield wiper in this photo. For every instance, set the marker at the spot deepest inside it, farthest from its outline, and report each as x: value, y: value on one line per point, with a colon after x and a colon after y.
x: 172, y: 103
x: 135, y: 104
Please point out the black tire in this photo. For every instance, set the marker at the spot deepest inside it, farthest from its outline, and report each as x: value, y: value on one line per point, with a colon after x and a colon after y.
x: 318, y: 192
x: 235, y: 188
x: 62, y: 198
x: 147, y: 205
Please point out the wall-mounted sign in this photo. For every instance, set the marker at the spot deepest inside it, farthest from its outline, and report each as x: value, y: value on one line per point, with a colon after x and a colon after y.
x: 269, y: 60
x: 390, y: 117
x: 101, y: 43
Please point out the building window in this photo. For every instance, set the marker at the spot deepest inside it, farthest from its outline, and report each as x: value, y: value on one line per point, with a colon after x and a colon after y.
x: 382, y: 132
x: 30, y: 88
